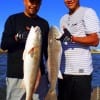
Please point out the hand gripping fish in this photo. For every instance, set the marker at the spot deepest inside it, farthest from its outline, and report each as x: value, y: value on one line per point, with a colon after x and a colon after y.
x: 53, y: 63
x: 31, y: 57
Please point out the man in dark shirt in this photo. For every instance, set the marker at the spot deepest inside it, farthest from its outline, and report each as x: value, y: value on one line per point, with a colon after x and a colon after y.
x: 14, y: 36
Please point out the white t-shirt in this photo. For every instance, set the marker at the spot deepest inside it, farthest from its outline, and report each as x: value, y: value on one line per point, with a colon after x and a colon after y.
x: 76, y: 58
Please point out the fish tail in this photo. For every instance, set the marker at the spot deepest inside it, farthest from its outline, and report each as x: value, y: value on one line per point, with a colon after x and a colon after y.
x: 51, y: 95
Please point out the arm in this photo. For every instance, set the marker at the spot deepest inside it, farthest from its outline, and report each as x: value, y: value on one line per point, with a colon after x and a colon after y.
x: 8, y: 40
x: 91, y: 26
x: 13, y: 37
x: 91, y: 22
x: 89, y: 40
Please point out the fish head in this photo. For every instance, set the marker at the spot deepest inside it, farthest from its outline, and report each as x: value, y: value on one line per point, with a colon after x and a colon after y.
x: 34, y: 38
x: 35, y: 35
x: 38, y: 33
x: 54, y: 33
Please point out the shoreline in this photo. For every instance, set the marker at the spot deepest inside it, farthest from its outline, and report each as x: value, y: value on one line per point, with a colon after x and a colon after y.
x: 2, y: 51
x: 98, y: 52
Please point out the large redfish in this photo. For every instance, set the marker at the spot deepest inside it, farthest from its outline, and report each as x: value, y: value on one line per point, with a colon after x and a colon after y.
x: 53, y: 63
x: 31, y: 57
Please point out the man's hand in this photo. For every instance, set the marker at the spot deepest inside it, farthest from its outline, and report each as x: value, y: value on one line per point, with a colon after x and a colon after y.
x: 21, y: 36
x: 66, y: 37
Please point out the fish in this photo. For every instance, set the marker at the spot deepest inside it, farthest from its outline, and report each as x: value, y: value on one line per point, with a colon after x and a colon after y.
x: 31, y: 60
x: 53, y: 62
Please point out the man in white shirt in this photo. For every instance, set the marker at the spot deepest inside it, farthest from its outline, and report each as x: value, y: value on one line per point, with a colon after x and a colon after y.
x: 80, y: 27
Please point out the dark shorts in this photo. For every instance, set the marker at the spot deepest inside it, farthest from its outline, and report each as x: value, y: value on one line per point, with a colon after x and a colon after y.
x: 74, y: 87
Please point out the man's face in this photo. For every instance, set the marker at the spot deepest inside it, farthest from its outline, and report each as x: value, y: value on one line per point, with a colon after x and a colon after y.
x: 31, y: 8
x: 72, y: 4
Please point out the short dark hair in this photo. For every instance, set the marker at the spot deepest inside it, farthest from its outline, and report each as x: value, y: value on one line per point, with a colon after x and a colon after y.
x: 36, y: 1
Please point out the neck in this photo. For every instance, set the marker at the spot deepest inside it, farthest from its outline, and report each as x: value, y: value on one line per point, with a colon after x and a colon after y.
x: 30, y: 16
x: 71, y: 11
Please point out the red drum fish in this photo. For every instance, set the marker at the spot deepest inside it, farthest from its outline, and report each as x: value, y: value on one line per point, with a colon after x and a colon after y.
x: 31, y: 57
x: 53, y: 63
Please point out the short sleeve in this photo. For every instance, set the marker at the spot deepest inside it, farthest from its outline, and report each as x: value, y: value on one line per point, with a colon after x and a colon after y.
x: 92, y: 22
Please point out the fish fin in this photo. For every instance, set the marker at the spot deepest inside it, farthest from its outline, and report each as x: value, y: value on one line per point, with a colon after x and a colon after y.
x: 60, y: 75
x: 31, y: 51
x: 51, y: 95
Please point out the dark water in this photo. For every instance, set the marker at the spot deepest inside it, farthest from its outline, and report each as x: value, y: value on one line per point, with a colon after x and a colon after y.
x: 96, y: 72
x: 3, y: 64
